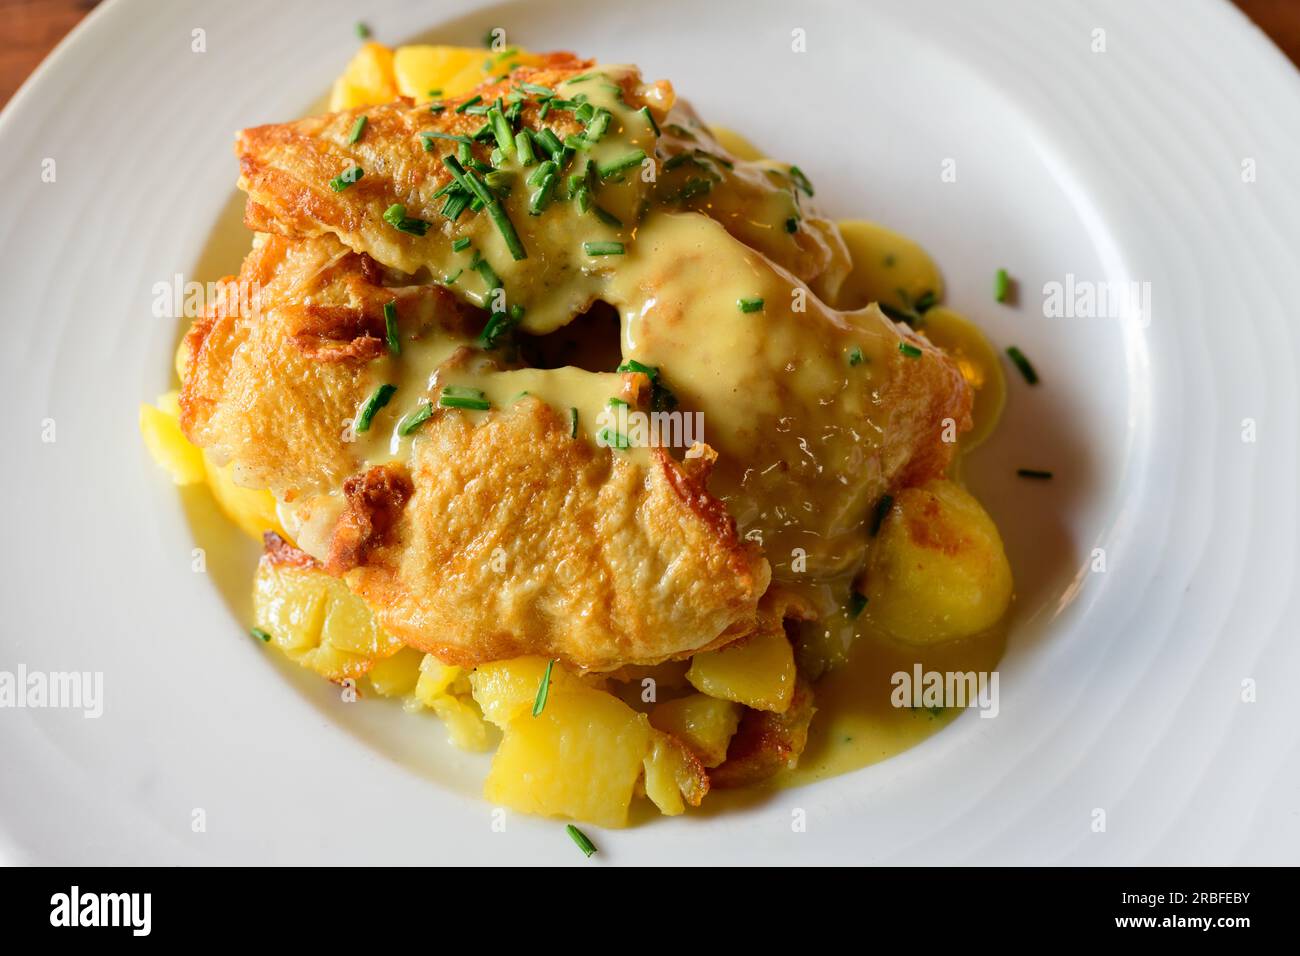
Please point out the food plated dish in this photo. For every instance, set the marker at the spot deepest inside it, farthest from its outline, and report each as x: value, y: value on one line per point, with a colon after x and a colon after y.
x: 976, y: 132
x: 572, y: 419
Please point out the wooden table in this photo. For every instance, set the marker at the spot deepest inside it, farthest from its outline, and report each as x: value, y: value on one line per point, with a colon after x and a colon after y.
x: 32, y: 27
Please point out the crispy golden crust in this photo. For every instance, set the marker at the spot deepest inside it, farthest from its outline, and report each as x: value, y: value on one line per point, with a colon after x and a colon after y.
x: 766, y: 743
x: 519, y: 539
x: 273, y: 385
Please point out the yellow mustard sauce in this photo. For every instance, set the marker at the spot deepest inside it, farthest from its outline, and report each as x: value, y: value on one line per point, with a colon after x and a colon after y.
x: 856, y: 723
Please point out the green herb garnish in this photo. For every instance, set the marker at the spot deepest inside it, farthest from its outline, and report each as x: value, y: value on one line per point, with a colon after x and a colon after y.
x: 573, y: 422
x: 414, y: 420
x: 1022, y: 363
x: 260, y: 634
x: 613, y: 439
x: 456, y: 396
x: 580, y: 838
x: 346, y: 178
x: 524, y: 147
x: 543, y: 689
x: 1001, y: 285
x: 377, y: 400
x: 650, y: 119
x: 395, y: 216
x: 855, y: 356
x: 358, y: 128
x: 472, y: 101
x: 910, y: 350
x: 363, y: 31
x: 623, y: 163
x: 800, y: 180
x: 753, y: 304
x: 603, y: 248
x: 390, y: 328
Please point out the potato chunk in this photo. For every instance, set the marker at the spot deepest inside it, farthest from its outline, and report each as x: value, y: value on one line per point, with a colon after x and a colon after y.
x: 937, y: 571
x: 758, y: 672
x: 314, y: 619
x: 367, y: 80
x: 579, y: 758
x: 704, y: 724
x: 167, y: 444
x: 674, y: 777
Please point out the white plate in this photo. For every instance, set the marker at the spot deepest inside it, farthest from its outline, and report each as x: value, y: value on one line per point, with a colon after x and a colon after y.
x: 1121, y: 691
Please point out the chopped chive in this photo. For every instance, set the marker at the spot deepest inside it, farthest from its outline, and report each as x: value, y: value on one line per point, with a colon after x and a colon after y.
x: 624, y: 162
x: 490, y: 277
x: 541, y: 172
x: 363, y: 31
x: 501, y: 130
x: 882, y: 511
x: 677, y: 159
x: 454, y: 396
x: 855, y: 356
x: 1033, y: 473
x: 792, y: 224
x: 801, y: 180
x: 925, y: 301
x: 547, y: 139
x: 434, y: 94
x: 910, y: 350
x: 390, y: 328
x: 584, y: 113
x: 472, y: 101
x: 576, y: 142
x: 395, y: 216
x: 1001, y: 285
x: 543, y: 689
x: 414, y: 420
x: 613, y: 439
x: 617, y: 403
x: 537, y: 202
x: 260, y: 634
x: 501, y: 219
x: 857, y: 603
x: 599, y: 123
x: 455, y: 204
x: 345, y: 179
x: 524, y: 147
x: 358, y: 128
x: 437, y: 107
x: 753, y: 304
x: 452, y: 277
x: 650, y: 119
x: 537, y: 88
x: 573, y: 422
x: 580, y: 838
x: 458, y: 244
x: 603, y: 248
x: 430, y: 135
x: 632, y: 365
x: 608, y: 218
x: 581, y: 78
x: 468, y: 181
x: 377, y: 400
x: 1022, y: 363
x: 695, y: 186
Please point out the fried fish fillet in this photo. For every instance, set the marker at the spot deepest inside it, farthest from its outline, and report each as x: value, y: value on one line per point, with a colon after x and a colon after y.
x: 506, y: 534
x: 491, y: 541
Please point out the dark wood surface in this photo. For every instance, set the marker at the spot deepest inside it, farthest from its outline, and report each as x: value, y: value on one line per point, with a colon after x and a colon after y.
x: 31, y: 28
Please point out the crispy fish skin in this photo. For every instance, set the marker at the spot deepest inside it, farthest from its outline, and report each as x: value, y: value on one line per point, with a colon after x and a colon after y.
x: 272, y: 384
x: 519, y: 539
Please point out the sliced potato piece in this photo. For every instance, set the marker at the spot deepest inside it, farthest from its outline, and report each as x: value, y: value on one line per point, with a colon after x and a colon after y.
x: 757, y: 672
x: 466, y: 728
x: 252, y: 509
x: 506, y: 688
x: 704, y: 724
